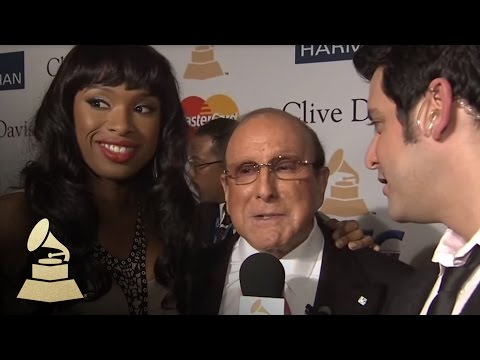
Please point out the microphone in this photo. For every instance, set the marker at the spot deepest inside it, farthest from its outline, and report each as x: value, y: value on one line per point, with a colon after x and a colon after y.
x: 262, y: 280
x: 322, y: 310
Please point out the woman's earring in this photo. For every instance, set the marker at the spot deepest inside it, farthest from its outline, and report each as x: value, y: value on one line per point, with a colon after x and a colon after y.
x: 155, y: 171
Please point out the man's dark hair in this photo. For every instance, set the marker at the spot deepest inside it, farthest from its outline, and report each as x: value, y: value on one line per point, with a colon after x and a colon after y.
x: 409, y: 69
x: 219, y: 129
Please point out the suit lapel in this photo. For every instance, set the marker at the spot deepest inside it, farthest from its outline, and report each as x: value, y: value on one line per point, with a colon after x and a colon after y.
x: 343, y: 287
x: 472, y: 307
x: 205, y: 225
x: 218, y: 261
x: 411, y: 297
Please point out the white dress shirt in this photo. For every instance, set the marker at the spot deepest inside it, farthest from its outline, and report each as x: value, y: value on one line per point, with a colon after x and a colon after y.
x: 453, y: 251
x: 302, y: 269
x: 221, y: 211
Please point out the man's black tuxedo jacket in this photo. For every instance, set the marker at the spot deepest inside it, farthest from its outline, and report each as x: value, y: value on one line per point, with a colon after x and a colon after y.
x: 345, y: 275
x: 410, y: 298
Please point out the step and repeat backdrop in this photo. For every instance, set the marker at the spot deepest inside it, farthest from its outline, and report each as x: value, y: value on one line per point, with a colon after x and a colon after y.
x: 316, y: 83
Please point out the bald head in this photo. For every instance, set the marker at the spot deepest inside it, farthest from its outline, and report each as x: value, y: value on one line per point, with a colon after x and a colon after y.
x: 268, y: 118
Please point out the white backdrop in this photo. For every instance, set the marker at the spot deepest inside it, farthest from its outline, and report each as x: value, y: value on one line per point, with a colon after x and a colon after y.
x: 234, y: 79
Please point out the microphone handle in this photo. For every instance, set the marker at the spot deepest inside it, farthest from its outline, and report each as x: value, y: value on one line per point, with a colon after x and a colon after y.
x: 322, y: 310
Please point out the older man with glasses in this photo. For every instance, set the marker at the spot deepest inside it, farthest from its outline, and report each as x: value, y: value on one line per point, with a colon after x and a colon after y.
x: 274, y: 182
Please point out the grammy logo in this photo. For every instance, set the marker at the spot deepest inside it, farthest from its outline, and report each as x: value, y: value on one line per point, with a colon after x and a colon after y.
x: 49, y: 281
x: 203, y: 65
x: 258, y: 308
x: 343, y: 200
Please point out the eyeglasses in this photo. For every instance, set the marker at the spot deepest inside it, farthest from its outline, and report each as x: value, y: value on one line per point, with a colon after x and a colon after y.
x: 193, y: 164
x: 284, y: 168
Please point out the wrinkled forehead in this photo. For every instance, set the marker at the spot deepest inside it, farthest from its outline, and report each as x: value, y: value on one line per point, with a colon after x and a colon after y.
x: 263, y: 137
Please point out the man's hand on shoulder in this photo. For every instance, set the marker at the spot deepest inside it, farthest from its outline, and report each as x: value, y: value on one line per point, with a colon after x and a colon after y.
x: 349, y: 232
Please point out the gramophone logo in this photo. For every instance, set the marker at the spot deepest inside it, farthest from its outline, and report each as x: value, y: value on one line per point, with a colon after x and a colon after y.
x: 203, y: 64
x: 253, y: 305
x: 258, y: 308
x: 50, y: 282
x: 343, y: 200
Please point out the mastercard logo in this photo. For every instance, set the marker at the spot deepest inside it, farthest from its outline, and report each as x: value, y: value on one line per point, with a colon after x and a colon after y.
x: 199, y: 111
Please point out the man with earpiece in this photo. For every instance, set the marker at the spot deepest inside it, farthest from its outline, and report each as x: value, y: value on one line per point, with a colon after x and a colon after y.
x: 424, y: 104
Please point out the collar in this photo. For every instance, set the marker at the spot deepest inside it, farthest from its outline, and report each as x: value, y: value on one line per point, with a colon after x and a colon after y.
x: 222, y: 209
x: 453, y: 250
x: 222, y: 212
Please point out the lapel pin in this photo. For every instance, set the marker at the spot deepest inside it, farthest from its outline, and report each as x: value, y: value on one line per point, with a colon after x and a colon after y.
x: 362, y: 300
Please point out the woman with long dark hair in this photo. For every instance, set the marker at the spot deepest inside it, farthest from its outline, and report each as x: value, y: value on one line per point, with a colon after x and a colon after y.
x: 109, y: 175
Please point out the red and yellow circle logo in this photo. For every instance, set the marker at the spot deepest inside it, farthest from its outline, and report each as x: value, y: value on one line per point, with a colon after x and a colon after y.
x: 198, y: 111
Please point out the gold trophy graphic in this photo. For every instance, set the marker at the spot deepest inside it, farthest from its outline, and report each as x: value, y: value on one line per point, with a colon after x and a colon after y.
x: 203, y: 65
x: 257, y: 307
x: 343, y: 200
x: 50, y: 282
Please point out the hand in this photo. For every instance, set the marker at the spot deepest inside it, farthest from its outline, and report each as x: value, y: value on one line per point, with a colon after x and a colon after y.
x: 348, y: 232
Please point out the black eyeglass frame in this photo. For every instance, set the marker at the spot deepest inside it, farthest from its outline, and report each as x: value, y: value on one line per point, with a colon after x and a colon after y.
x: 202, y: 165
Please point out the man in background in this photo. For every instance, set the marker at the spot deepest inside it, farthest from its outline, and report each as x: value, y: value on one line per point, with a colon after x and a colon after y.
x: 206, y: 158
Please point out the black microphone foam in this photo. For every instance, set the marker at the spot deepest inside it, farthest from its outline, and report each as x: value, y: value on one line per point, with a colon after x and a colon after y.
x: 262, y: 275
